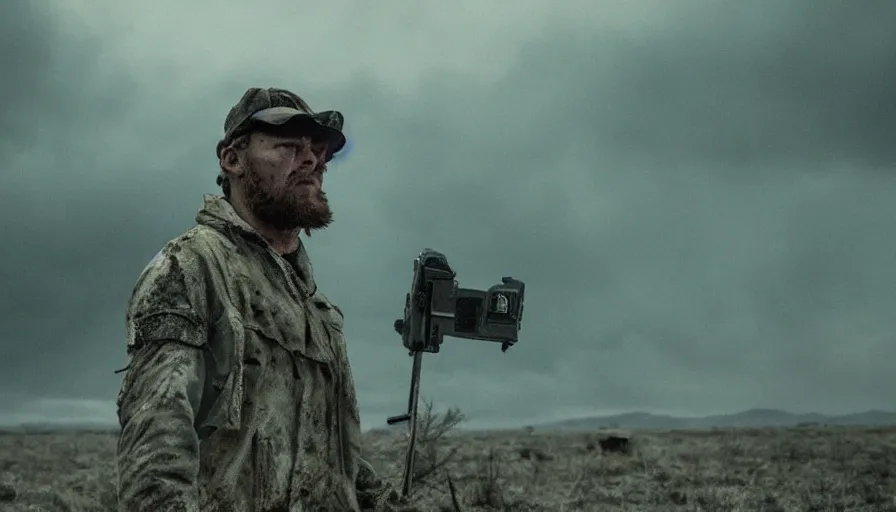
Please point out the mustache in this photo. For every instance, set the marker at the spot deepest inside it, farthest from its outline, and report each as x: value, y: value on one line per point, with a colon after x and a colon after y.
x: 306, y: 176
x: 302, y: 179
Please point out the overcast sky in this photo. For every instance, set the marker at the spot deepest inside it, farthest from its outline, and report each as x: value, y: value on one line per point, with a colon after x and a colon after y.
x: 699, y: 195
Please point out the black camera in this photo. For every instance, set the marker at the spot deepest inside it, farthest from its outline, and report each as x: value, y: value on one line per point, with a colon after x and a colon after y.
x: 436, y: 307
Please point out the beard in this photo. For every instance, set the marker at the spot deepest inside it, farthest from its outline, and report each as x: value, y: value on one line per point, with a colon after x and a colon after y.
x: 286, y: 206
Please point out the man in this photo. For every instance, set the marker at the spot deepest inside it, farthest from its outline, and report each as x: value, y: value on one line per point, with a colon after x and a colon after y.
x: 239, y: 395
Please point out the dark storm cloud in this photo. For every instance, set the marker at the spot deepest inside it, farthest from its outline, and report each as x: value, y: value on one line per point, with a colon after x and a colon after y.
x: 700, y: 205
x: 699, y: 213
x: 776, y: 82
x: 23, y: 59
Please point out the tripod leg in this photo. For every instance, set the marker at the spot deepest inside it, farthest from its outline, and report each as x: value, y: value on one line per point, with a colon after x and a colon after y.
x: 412, y: 412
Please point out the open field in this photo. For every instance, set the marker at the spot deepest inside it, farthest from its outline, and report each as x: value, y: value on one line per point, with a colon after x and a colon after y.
x: 800, y: 469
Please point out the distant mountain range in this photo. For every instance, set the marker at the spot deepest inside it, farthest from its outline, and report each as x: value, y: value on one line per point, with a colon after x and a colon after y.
x: 60, y: 426
x: 753, y: 418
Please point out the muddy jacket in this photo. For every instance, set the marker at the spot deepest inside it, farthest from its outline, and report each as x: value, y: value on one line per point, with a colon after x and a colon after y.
x: 239, y: 395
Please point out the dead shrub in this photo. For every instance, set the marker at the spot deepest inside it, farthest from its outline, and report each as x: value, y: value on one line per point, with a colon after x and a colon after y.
x: 432, y: 454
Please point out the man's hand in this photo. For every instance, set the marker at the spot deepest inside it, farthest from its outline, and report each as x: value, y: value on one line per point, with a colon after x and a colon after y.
x: 377, y: 495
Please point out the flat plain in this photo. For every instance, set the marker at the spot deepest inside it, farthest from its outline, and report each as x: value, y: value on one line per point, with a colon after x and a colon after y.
x: 796, y: 469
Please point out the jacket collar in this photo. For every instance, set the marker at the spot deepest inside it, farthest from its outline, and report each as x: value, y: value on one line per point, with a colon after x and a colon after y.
x: 218, y: 213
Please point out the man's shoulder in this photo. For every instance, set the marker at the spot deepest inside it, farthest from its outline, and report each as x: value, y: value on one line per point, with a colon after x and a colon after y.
x: 199, y: 240
x: 183, y: 260
x: 169, y: 299
x: 198, y: 243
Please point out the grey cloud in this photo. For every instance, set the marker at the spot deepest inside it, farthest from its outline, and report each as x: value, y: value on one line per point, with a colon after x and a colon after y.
x: 700, y: 207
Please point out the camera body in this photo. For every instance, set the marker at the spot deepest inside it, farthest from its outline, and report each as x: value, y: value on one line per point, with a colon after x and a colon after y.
x: 437, y: 307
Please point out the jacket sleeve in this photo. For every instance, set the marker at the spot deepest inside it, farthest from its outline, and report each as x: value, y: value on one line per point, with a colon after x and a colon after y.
x: 158, y: 448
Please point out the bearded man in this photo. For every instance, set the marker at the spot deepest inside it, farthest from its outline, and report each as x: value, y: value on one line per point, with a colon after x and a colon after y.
x: 239, y: 395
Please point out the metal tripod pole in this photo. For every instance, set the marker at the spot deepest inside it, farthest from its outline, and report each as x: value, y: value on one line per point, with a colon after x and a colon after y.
x: 411, y: 417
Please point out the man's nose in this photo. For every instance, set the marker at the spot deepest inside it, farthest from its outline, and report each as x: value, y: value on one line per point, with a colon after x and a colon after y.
x: 305, y: 157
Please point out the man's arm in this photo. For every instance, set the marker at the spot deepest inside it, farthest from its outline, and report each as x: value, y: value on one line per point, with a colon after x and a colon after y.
x: 158, y: 448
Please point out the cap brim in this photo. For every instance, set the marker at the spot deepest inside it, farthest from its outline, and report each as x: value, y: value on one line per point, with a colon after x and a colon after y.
x: 278, y: 115
x: 329, y: 121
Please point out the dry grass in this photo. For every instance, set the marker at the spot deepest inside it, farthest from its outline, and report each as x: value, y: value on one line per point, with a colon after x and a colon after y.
x: 807, y: 469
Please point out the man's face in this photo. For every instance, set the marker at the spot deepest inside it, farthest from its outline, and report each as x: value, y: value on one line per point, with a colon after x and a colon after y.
x: 283, y: 181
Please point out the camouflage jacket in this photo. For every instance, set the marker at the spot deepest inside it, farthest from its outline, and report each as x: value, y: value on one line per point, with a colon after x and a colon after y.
x: 239, y: 395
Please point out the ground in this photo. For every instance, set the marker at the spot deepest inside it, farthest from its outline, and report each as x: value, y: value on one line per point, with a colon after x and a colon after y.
x: 800, y: 469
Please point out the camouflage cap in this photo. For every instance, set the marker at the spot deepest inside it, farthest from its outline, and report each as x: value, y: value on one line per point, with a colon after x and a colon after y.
x: 279, y: 107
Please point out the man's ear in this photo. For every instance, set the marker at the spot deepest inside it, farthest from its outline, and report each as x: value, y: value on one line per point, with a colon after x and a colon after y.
x: 230, y: 161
